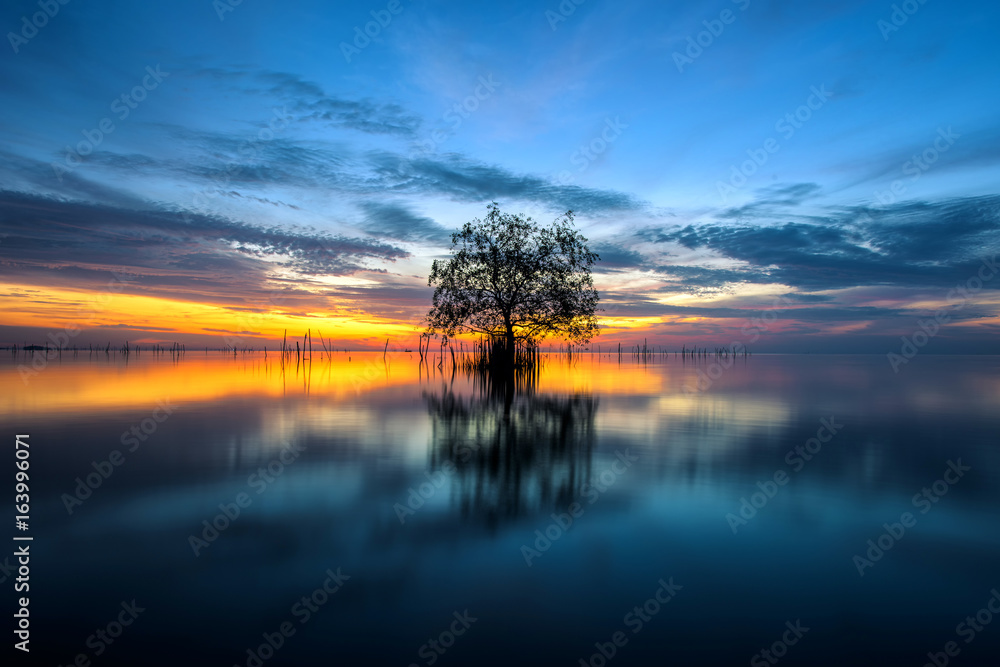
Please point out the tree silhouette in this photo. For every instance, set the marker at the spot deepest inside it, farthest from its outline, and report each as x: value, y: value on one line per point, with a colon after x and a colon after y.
x: 515, y: 281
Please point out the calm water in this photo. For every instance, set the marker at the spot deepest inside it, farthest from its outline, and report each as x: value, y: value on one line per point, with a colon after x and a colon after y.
x: 425, y: 492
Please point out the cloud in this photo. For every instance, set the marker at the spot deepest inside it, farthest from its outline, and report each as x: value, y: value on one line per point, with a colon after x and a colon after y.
x: 972, y: 148
x: 396, y: 221
x: 224, y: 162
x: 913, y: 244
x: 61, y: 242
x: 616, y: 257
x: 308, y: 102
x: 467, y: 180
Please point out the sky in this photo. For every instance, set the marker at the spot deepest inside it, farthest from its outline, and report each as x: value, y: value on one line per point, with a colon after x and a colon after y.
x: 798, y: 177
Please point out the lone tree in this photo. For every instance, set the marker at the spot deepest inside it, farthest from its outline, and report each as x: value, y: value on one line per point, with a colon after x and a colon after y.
x: 512, y: 280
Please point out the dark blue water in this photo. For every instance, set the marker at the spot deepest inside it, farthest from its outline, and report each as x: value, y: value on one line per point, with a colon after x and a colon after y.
x: 598, y: 510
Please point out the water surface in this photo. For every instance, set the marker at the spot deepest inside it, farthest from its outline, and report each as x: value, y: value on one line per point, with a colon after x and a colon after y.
x: 433, y: 494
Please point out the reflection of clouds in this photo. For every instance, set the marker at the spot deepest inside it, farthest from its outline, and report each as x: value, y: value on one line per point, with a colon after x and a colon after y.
x: 701, y: 427
x: 351, y: 427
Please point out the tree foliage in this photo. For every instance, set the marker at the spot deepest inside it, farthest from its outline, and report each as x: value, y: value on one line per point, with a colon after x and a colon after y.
x: 512, y: 279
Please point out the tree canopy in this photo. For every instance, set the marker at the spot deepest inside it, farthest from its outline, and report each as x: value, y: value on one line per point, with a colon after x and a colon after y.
x: 510, y: 278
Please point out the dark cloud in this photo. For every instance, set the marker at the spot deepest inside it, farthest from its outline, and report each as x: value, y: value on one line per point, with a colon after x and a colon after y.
x: 913, y: 244
x: 616, y: 257
x: 21, y: 173
x: 222, y: 162
x: 396, y: 221
x: 700, y: 279
x: 807, y: 298
x: 970, y: 148
x: 466, y: 180
x: 51, y: 241
x: 623, y: 304
x: 306, y: 101
x: 788, y: 194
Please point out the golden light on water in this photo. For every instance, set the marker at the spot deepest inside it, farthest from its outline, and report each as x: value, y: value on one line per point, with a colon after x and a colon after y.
x: 96, y: 383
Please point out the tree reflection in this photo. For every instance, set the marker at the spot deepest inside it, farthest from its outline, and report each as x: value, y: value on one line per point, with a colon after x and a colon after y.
x: 515, y: 451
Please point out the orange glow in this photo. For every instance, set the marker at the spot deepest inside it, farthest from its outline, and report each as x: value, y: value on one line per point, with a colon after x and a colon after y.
x: 169, y: 320
x: 51, y: 308
x: 97, y: 383
x: 79, y: 386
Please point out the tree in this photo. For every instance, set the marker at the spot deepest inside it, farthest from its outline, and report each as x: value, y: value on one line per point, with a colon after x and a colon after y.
x: 512, y: 280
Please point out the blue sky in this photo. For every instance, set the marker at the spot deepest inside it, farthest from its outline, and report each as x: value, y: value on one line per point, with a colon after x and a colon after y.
x: 259, y: 156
